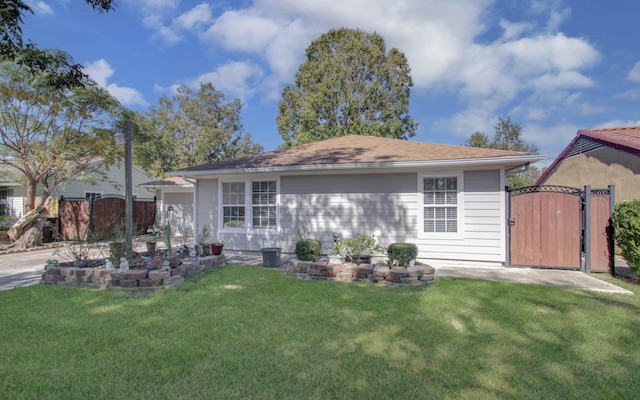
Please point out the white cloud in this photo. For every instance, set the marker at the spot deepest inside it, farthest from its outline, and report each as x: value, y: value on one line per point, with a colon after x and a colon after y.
x: 198, y: 15
x: 192, y: 19
x: 528, y: 67
x: 634, y: 74
x: 513, y: 30
x: 235, y: 79
x: 242, y: 30
x: 631, y: 94
x: 148, y: 6
x: 40, y: 7
x: 168, y: 35
x: 617, y: 123
x: 100, y: 71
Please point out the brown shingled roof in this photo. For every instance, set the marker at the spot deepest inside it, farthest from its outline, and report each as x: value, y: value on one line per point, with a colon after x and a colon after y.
x: 624, y: 138
x: 168, y: 182
x: 354, y: 149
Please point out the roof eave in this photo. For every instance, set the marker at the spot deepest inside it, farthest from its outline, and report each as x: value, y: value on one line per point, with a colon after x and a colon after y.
x: 512, y: 161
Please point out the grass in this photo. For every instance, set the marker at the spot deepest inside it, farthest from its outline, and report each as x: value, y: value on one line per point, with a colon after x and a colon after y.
x: 250, y: 333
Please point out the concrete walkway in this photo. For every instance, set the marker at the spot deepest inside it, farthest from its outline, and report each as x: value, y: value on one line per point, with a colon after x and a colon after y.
x: 24, y: 269
x: 536, y: 276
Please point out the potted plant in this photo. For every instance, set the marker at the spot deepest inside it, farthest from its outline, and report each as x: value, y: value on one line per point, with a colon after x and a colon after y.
x: 337, y: 253
x: 360, y: 249
x: 174, y: 258
x: 203, y: 248
x: 216, y: 247
x: 153, y: 240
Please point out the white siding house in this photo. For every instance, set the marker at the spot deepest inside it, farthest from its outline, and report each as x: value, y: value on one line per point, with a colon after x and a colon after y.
x: 113, y: 183
x: 448, y: 200
x: 174, y: 205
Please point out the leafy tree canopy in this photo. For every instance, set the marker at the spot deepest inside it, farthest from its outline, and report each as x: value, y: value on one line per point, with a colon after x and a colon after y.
x: 52, y: 135
x: 348, y: 85
x: 190, y: 128
x: 508, y: 136
x: 56, y: 66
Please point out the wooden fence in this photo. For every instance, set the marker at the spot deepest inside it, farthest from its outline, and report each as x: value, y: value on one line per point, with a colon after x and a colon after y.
x: 102, y: 217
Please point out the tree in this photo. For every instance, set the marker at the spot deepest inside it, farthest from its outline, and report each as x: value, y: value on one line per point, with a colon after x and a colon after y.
x: 188, y: 129
x: 58, y: 67
x: 508, y: 136
x: 348, y: 85
x: 51, y: 135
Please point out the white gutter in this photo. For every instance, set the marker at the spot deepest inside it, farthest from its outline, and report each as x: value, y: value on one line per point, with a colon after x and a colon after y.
x: 402, y: 164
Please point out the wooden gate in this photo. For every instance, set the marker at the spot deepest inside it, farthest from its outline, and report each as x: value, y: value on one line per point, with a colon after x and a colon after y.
x: 102, y: 215
x: 560, y: 227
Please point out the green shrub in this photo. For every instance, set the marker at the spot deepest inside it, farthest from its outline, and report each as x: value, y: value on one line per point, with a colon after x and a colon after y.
x: 308, y: 249
x: 401, y: 254
x: 5, y: 222
x: 626, y: 222
x: 362, y: 246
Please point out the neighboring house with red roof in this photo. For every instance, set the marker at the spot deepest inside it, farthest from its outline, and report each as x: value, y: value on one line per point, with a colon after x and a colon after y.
x: 599, y: 158
x: 448, y: 200
x: 174, y: 204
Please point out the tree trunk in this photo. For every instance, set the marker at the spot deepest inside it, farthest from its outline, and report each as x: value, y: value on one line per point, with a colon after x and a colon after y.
x: 27, y: 231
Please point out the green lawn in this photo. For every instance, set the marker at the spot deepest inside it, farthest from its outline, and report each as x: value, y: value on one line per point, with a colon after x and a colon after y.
x: 252, y: 333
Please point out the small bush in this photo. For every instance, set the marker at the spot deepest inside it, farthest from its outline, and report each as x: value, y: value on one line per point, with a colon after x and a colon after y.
x: 401, y: 254
x: 5, y: 222
x: 626, y: 222
x: 308, y: 249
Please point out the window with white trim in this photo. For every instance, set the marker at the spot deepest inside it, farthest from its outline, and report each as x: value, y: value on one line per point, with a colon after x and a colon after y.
x: 5, y: 194
x: 263, y: 203
x: 440, y: 196
x: 233, y: 205
x: 249, y: 205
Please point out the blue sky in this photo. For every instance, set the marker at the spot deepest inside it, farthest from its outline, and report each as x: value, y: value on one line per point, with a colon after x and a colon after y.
x: 553, y: 66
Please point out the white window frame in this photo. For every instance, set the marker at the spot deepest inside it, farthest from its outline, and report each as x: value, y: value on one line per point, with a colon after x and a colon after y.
x: 248, y: 206
x: 221, y: 227
x: 459, y: 200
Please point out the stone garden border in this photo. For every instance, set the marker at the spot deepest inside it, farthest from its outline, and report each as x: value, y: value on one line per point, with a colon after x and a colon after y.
x: 417, y: 275
x: 135, y: 279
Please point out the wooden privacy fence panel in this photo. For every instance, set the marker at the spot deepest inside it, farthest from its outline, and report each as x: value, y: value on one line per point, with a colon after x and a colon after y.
x: 102, y: 216
x: 546, y: 228
x: 599, y: 243
x: 558, y: 226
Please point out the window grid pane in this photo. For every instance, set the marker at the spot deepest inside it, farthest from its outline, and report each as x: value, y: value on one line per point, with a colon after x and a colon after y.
x: 233, y: 210
x: 440, y: 194
x: 263, y: 199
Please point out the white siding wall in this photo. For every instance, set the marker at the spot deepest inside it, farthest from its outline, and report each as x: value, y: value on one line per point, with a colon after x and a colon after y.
x: 78, y: 188
x: 482, y: 237
x: 385, y: 204
x: 181, y: 215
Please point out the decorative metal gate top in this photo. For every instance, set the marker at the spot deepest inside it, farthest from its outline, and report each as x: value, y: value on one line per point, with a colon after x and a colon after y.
x: 545, y: 189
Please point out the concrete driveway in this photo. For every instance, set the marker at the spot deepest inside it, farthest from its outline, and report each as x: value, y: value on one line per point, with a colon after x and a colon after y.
x: 24, y: 268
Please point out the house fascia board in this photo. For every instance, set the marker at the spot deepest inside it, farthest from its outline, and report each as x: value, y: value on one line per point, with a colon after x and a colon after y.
x: 512, y: 161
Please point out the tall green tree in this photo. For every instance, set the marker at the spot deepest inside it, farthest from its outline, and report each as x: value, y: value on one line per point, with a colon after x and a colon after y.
x: 51, y: 135
x: 349, y: 84
x: 190, y: 128
x: 58, y: 67
x: 508, y: 136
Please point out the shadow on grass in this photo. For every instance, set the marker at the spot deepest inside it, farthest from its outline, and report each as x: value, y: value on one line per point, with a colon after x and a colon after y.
x: 252, y: 333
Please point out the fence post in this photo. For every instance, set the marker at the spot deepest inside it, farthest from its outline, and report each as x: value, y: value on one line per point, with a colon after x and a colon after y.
x: 611, y: 230
x: 507, y: 193
x: 587, y: 228
x: 91, y: 212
